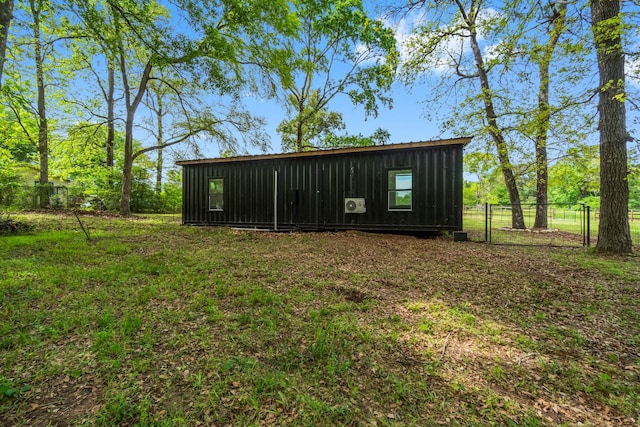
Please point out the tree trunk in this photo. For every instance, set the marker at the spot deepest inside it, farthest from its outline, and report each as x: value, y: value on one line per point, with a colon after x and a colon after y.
x: 110, y: 113
x: 517, y: 217
x: 544, y: 116
x: 542, y: 180
x: 300, y: 119
x: 299, y: 142
x: 132, y: 106
x: 6, y: 14
x: 43, y: 130
x: 160, y: 144
x: 614, y: 234
x: 127, y: 168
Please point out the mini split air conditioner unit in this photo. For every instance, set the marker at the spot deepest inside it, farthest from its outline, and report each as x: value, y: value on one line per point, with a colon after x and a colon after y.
x: 354, y: 205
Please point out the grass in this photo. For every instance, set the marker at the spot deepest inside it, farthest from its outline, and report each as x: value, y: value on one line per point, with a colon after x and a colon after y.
x: 154, y: 324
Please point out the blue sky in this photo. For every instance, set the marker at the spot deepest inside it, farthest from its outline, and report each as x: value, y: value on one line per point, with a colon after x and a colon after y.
x: 406, y: 121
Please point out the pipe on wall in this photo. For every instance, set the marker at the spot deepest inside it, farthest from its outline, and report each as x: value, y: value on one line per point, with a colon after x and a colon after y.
x: 275, y: 200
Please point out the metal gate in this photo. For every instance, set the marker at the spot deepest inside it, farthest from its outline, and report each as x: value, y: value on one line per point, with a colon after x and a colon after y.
x: 567, y: 226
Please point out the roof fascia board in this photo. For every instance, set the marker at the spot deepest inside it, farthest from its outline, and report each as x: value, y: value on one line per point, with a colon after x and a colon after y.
x: 332, y: 152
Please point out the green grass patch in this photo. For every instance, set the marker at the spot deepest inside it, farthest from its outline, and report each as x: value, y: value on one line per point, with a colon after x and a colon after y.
x: 153, y: 323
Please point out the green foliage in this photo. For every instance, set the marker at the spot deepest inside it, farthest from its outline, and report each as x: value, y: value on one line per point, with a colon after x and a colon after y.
x: 575, y: 178
x: 332, y: 32
x: 217, y: 51
x: 9, y: 181
x: 515, y: 75
x: 80, y: 158
x: 18, y: 155
x: 488, y: 185
x: 170, y: 200
x: 320, y: 131
x: 634, y: 188
x: 319, y: 125
x: 379, y: 137
x: 12, y: 135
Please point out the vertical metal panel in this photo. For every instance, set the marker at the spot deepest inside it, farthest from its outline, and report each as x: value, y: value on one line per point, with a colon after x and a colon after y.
x: 311, y: 190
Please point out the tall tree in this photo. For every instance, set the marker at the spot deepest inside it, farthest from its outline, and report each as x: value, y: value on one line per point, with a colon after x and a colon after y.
x: 606, y: 23
x: 132, y: 102
x: 452, y: 24
x: 97, y: 50
x: 165, y: 95
x: 128, y: 37
x: 311, y: 127
x: 111, y: 102
x: 37, y: 7
x: 542, y: 55
x: 340, y: 50
x: 156, y: 104
x: 38, y: 30
x: 177, y: 114
x: 223, y: 39
x: 6, y: 15
x: 548, y: 94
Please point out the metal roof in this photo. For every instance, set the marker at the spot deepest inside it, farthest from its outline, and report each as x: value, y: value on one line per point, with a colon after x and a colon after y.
x: 336, y: 151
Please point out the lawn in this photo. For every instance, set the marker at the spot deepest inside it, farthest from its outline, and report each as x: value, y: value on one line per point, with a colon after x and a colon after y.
x: 154, y: 323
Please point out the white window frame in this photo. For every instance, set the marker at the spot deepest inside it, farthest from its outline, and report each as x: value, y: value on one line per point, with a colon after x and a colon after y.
x: 393, y: 189
x: 220, y: 195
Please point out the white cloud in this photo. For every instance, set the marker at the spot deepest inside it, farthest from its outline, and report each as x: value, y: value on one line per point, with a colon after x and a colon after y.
x: 632, y: 63
x: 450, y: 50
x: 362, y: 51
x: 632, y: 70
x: 491, y: 51
x: 366, y: 56
x: 404, y: 31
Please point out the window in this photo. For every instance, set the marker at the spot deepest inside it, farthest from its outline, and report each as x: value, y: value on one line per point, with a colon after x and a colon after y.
x: 216, y: 193
x: 400, y: 188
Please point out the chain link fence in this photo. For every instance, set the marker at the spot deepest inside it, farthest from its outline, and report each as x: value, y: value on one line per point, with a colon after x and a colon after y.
x: 568, y: 225
x: 27, y: 197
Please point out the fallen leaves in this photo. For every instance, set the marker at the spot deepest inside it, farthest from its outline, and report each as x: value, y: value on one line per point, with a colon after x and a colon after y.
x: 343, y: 328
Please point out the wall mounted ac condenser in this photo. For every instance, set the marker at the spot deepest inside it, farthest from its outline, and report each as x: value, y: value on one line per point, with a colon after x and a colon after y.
x: 354, y: 205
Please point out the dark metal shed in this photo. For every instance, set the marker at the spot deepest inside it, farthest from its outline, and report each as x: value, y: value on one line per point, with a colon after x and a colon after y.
x: 399, y: 187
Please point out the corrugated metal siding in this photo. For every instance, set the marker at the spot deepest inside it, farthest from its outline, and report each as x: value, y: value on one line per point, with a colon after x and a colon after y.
x: 311, y: 191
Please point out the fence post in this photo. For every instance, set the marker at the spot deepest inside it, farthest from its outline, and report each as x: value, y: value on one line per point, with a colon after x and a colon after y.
x: 588, y: 225
x: 486, y: 222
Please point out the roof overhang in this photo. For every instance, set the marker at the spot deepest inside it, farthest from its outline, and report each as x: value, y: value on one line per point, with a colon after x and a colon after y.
x: 337, y: 151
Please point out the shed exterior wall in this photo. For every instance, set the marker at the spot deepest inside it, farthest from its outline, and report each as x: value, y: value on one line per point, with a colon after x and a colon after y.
x: 309, y: 192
